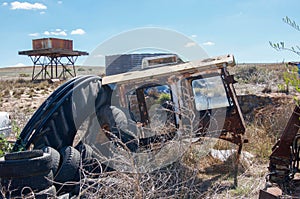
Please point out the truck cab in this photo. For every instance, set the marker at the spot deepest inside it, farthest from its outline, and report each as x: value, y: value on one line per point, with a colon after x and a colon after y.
x: 194, y: 98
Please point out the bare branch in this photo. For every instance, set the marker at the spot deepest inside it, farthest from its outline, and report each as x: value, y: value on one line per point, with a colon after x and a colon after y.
x: 291, y: 23
x: 280, y: 46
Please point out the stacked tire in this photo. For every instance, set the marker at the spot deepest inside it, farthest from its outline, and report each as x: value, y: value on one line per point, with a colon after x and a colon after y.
x: 45, y: 173
x: 51, y: 130
x: 65, y: 167
x: 68, y: 174
x: 26, y: 173
x: 89, y: 166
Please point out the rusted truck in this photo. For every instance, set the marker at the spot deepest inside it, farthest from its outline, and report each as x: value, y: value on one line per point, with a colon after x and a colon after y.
x: 202, y: 89
x: 139, y: 112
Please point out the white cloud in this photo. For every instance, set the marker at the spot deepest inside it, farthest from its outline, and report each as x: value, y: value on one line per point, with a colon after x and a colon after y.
x: 57, y: 32
x: 16, y: 5
x: 208, y: 43
x: 47, y: 33
x: 36, y: 34
x: 59, y: 2
x: 193, y: 36
x: 190, y: 44
x: 4, y: 4
x: 42, y: 12
x: 19, y: 65
x: 78, y: 31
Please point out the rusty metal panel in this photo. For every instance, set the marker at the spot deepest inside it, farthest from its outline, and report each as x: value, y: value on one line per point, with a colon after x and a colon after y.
x: 61, y: 44
x: 39, y: 44
x: 52, y: 43
x: 282, y: 147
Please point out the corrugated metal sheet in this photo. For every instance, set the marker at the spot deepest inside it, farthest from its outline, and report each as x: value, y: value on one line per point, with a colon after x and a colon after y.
x: 116, y: 64
x: 52, y: 43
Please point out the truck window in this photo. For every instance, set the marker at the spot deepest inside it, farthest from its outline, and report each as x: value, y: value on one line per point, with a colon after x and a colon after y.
x: 209, y: 93
x: 133, y: 106
x: 157, y: 102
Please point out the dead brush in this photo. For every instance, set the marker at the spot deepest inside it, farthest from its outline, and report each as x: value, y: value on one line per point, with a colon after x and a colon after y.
x: 175, y: 181
x: 266, y: 127
x: 260, y: 143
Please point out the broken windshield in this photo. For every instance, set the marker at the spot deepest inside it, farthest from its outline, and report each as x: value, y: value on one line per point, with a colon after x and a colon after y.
x: 209, y: 93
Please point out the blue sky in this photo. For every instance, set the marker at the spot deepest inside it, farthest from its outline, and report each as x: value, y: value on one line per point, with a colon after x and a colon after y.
x: 243, y: 28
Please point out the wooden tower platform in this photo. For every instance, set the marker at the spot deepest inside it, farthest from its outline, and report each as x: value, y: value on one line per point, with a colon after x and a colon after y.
x: 53, y: 58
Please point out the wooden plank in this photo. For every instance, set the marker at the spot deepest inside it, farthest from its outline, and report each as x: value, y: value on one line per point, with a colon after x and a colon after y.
x: 51, y: 51
x: 200, y: 65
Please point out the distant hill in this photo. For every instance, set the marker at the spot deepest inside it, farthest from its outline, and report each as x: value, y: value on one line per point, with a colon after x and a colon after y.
x: 26, y: 71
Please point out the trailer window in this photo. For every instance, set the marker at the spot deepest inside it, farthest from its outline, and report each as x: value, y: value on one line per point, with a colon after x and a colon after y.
x: 209, y: 93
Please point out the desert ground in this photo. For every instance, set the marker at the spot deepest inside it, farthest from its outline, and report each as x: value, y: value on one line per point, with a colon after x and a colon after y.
x: 265, y: 105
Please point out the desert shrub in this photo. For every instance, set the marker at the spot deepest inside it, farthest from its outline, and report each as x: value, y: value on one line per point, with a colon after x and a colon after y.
x: 283, y: 88
x: 40, y: 86
x: 266, y: 127
x: 44, y: 92
x: 273, y: 119
x: 173, y: 181
x: 6, y: 85
x: 24, y: 75
x: 260, y: 142
x: 247, y: 74
x: 81, y: 69
x: 43, y: 85
x: 6, y: 93
x: 16, y: 130
x: 291, y: 76
x: 32, y: 90
x: 21, y: 81
x: 254, y: 74
x: 164, y: 97
x: 17, y: 93
x: 5, y: 146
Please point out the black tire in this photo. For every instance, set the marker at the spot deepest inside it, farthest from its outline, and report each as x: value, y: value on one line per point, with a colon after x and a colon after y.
x: 55, y: 155
x: 69, y: 169
x: 45, y: 107
x: 86, y: 151
x: 117, y: 121
x: 59, y: 126
x: 64, y: 196
x: 18, y: 187
x: 21, y: 155
x: 68, y: 174
x: 25, y: 167
x: 46, y: 193
x: 89, y: 164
